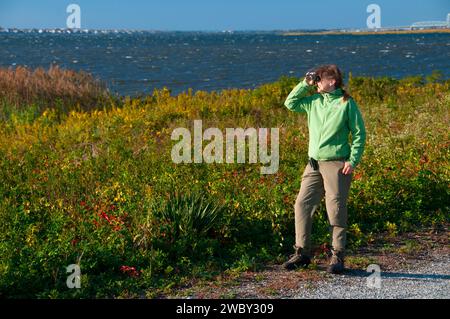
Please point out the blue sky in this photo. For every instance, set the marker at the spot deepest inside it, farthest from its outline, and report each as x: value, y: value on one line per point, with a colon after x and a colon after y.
x: 218, y: 14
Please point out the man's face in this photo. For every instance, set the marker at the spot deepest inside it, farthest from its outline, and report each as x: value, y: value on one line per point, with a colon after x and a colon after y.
x: 326, y: 84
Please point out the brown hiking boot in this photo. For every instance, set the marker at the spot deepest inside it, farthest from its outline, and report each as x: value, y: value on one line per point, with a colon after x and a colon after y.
x: 336, y: 263
x: 298, y: 259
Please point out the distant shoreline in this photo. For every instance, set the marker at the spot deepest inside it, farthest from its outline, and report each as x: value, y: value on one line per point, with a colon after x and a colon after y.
x: 278, y: 32
x: 427, y: 31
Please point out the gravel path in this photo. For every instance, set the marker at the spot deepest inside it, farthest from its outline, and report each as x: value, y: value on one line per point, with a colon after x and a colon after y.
x: 415, y: 266
x: 428, y: 279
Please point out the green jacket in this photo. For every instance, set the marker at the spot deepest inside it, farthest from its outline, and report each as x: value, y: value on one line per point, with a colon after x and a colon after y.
x: 330, y: 120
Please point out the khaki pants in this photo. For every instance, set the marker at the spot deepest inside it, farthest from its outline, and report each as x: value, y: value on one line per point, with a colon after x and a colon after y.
x: 328, y: 180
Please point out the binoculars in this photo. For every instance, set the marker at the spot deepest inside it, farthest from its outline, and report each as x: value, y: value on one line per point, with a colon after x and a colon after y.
x: 312, y: 76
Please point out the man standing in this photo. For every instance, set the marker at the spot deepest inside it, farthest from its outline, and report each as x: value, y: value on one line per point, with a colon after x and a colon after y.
x: 332, y: 116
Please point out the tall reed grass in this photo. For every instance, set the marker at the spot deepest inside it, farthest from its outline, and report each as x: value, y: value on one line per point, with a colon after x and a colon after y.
x: 53, y: 88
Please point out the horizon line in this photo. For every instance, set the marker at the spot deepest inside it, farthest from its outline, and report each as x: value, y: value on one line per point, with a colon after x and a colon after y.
x: 81, y: 30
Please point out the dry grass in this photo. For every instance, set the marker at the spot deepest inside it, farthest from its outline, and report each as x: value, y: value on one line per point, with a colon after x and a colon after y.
x: 54, y: 87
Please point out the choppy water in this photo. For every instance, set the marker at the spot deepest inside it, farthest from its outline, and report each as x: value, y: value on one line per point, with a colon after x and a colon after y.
x: 133, y: 63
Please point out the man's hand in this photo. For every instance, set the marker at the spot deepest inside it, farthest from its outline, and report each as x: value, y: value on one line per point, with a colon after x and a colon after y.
x: 348, y: 168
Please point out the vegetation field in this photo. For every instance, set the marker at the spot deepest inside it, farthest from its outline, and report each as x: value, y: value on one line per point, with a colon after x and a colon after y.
x: 87, y: 178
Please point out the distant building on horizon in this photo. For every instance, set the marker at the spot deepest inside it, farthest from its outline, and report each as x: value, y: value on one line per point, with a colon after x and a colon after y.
x: 432, y: 24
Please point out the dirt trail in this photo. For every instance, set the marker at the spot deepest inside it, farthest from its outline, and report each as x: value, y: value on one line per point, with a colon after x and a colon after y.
x: 411, y: 266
